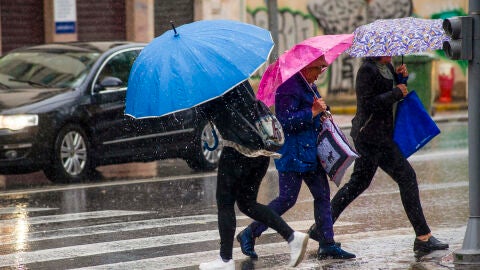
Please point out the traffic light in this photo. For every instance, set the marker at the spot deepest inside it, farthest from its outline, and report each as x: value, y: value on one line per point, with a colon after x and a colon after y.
x: 460, y: 30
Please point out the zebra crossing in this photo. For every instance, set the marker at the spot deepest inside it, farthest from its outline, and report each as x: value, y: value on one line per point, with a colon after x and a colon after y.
x: 161, y: 243
x: 54, y: 238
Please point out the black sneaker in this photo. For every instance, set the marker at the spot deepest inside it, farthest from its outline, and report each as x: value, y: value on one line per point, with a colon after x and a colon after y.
x: 247, y: 243
x: 332, y: 251
x: 428, y: 246
x: 312, y: 233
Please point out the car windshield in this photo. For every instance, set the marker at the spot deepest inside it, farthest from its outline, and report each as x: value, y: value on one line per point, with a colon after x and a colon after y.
x: 45, y: 69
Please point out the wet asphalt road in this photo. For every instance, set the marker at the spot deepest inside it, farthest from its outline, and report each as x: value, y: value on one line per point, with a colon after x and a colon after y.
x: 168, y: 221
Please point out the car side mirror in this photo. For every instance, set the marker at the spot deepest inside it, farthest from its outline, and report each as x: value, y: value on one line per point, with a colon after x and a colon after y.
x: 108, y: 82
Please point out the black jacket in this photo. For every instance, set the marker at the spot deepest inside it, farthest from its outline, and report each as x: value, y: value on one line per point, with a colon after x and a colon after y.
x: 226, y: 113
x: 376, y: 96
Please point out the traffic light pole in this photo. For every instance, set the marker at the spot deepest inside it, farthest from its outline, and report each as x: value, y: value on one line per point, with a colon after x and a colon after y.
x: 273, y: 27
x: 469, y: 255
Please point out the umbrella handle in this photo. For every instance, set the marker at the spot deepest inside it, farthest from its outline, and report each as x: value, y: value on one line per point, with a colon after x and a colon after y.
x: 215, y: 143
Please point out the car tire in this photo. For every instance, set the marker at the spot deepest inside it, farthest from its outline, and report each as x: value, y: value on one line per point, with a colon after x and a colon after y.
x: 71, y: 161
x: 200, y: 158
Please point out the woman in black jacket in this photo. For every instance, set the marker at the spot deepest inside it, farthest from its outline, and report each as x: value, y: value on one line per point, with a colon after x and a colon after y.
x: 378, y: 89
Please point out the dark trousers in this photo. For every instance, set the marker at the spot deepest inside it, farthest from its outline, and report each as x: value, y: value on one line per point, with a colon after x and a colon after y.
x: 289, y: 188
x: 238, y: 180
x: 388, y: 157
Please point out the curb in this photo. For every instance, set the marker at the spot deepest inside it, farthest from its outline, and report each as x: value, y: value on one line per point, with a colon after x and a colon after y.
x: 343, y: 109
x: 437, y: 107
x: 441, y: 107
x: 442, y: 113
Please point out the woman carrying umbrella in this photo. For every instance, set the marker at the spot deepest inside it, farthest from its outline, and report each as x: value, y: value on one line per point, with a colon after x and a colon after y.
x: 207, y: 64
x: 240, y: 172
x: 299, y: 109
x: 378, y: 89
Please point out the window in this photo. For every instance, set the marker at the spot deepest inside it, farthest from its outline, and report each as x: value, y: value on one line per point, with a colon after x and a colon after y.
x: 119, y: 67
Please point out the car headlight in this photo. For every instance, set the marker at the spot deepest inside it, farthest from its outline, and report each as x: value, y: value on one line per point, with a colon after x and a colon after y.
x: 19, y: 121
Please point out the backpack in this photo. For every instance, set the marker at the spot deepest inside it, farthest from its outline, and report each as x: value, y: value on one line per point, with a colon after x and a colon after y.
x: 261, y: 123
x: 246, y: 121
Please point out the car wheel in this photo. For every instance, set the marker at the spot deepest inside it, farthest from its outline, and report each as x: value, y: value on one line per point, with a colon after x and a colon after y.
x: 71, y: 160
x: 202, y: 159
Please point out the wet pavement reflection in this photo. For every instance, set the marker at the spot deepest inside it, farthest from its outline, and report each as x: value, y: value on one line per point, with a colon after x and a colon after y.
x: 168, y: 221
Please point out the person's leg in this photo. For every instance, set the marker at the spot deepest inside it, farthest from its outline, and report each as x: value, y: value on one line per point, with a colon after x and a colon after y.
x: 364, y: 169
x: 247, y: 197
x: 289, y: 186
x: 253, y: 171
x: 317, y: 182
x: 397, y: 167
x: 226, y: 196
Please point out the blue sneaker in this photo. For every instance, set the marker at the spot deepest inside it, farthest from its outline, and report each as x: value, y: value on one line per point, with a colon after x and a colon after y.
x: 247, y: 242
x: 332, y: 251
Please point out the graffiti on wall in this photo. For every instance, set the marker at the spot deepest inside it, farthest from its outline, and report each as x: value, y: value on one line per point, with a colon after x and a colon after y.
x: 389, y: 9
x: 331, y: 17
x: 344, y: 16
x: 293, y: 26
x: 338, y: 17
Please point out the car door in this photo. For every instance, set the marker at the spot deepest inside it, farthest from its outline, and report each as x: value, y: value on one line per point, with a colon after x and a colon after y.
x: 115, y: 133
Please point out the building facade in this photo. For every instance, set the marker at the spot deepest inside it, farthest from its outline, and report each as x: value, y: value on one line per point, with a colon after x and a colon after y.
x: 29, y: 22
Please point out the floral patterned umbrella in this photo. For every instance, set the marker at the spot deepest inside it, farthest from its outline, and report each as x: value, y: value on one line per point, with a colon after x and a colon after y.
x: 391, y: 37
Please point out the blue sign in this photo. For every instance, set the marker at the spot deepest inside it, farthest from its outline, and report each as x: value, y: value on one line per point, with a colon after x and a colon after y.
x: 64, y: 27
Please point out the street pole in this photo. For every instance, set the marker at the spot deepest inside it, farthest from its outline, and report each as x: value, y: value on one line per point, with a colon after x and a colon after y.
x: 468, y: 256
x: 273, y: 27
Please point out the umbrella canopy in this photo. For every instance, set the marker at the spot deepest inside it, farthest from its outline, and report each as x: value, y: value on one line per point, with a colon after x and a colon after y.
x: 391, y: 37
x: 298, y: 57
x: 194, y: 63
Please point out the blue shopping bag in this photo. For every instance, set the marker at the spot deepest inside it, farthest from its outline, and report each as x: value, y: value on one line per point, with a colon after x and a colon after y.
x: 413, y: 125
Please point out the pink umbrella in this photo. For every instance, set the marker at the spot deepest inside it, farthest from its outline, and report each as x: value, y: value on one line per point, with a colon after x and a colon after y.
x: 298, y: 57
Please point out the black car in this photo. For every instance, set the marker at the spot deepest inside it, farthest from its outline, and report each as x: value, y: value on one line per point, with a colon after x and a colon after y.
x: 62, y: 111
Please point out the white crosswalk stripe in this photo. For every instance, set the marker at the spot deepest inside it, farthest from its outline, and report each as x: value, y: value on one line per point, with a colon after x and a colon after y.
x: 111, y: 228
x: 71, y: 217
x: 18, y: 210
x: 45, y: 255
x: 172, y: 245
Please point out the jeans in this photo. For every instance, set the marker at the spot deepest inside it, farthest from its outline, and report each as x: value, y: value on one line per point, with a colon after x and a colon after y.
x: 289, y: 188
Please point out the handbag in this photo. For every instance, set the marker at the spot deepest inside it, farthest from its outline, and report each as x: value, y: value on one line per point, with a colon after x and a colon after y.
x: 269, y: 128
x: 414, y: 127
x: 334, y: 151
x: 258, y: 129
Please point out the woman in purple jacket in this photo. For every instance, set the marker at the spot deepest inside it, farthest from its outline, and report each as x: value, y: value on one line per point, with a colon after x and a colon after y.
x: 299, y: 111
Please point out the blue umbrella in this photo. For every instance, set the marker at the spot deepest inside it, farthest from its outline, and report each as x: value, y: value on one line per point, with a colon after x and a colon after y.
x: 194, y: 63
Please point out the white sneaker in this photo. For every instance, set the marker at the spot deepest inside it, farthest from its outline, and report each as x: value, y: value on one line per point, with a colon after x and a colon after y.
x: 298, y: 247
x: 218, y: 264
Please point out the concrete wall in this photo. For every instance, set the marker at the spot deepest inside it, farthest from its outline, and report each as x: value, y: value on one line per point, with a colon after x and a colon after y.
x: 297, y: 19
x: 219, y: 9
